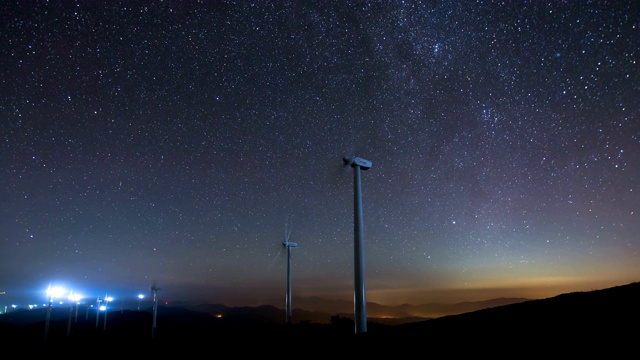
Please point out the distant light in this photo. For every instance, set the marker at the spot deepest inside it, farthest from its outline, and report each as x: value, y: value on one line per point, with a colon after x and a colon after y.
x: 55, y: 292
x: 75, y: 297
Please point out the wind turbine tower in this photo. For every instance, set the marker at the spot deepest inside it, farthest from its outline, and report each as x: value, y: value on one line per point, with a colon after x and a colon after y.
x: 360, y: 302
x: 155, y: 310
x: 288, y: 244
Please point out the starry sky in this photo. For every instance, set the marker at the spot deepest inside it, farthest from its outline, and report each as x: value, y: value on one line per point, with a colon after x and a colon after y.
x: 176, y: 144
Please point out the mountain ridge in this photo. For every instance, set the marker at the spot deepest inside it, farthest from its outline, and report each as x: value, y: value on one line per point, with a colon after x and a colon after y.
x: 324, y: 308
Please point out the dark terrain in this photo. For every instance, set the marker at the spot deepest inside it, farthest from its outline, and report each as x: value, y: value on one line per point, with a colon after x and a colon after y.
x: 605, y: 321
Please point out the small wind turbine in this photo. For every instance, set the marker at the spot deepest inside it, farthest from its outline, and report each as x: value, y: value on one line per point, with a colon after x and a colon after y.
x: 288, y: 244
x: 155, y: 309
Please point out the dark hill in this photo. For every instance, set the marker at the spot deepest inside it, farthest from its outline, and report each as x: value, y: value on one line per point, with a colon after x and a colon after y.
x: 575, y: 321
x: 581, y: 321
x: 578, y: 311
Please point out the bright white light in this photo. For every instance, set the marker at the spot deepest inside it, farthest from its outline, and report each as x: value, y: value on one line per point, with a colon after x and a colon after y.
x: 55, y: 292
x: 75, y: 297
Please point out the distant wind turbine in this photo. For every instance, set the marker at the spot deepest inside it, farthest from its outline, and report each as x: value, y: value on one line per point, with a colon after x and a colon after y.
x: 288, y: 244
x: 154, y: 289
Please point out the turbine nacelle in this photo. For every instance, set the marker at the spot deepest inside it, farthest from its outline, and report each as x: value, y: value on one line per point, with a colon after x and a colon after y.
x: 290, y: 244
x: 357, y: 161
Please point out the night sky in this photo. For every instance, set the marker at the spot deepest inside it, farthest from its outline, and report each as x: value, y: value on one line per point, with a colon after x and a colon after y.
x: 176, y: 143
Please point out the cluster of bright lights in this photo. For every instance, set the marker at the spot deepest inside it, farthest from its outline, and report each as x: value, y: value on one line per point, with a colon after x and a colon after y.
x: 58, y: 294
x: 106, y: 301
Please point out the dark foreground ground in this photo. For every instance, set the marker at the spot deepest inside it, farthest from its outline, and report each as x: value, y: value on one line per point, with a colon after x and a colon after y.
x: 603, y: 323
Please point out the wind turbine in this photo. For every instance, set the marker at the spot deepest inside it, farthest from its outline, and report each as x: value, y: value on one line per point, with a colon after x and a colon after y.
x: 154, y: 289
x: 360, y: 302
x: 98, y: 301
x: 288, y: 244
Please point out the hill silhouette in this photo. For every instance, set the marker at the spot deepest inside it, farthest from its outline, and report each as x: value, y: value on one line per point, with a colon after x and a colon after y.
x: 607, y: 318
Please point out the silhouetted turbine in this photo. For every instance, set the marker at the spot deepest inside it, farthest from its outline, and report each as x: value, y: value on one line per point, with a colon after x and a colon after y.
x: 288, y: 244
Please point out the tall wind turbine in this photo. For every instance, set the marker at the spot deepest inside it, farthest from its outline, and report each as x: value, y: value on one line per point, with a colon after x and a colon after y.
x: 360, y: 302
x: 288, y: 244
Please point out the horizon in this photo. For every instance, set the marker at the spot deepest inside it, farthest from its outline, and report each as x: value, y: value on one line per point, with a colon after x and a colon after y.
x: 313, y: 302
